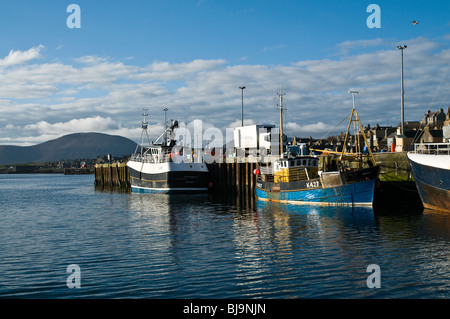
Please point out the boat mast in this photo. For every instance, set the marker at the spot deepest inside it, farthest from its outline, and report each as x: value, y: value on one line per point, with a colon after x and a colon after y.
x: 355, y: 113
x: 144, y: 126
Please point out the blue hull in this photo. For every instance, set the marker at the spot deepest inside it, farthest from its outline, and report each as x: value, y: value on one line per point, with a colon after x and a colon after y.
x: 358, y: 193
x: 350, y: 188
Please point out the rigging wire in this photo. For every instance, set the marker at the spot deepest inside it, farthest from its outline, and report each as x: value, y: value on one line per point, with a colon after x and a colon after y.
x: 327, y: 134
x: 290, y: 117
x: 439, y: 86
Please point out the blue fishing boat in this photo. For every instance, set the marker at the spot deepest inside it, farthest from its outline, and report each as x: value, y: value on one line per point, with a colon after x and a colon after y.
x: 298, y: 180
x: 296, y: 183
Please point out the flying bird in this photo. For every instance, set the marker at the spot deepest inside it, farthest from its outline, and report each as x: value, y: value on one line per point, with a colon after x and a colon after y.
x: 414, y: 22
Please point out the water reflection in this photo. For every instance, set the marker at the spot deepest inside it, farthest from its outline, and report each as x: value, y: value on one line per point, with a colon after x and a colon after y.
x: 411, y: 247
x: 228, y: 247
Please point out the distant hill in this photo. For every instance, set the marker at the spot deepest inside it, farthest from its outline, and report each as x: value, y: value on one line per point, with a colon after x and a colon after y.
x: 72, y: 146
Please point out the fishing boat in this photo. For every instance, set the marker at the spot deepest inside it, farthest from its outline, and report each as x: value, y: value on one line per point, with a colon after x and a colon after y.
x: 430, y: 166
x: 164, y: 167
x: 297, y: 179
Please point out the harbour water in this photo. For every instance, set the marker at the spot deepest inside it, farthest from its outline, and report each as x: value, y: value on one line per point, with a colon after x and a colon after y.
x: 209, y: 247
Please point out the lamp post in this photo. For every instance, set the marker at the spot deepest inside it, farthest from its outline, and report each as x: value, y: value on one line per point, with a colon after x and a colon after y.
x: 401, y: 48
x: 242, y: 105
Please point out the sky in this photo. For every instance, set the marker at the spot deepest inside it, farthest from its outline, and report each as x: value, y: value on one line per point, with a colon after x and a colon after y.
x: 192, y: 56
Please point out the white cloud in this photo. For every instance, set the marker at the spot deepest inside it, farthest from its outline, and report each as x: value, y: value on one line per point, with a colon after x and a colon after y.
x: 309, y: 129
x: 165, y: 71
x: 92, y: 124
x: 273, y: 48
x: 31, y: 91
x: 45, y: 131
x: 346, y: 46
x: 91, y: 59
x: 20, y: 57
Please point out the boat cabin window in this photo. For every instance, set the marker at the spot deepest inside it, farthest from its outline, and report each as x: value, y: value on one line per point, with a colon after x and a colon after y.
x: 298, y: 162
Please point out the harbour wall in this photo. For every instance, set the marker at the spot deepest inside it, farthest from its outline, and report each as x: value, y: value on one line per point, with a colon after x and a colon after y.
x: 235, y: 177
x: 114, y: 175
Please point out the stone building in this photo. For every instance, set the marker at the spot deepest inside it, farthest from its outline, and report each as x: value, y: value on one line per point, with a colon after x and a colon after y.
x: 431, y: 136
x: 434, y: 119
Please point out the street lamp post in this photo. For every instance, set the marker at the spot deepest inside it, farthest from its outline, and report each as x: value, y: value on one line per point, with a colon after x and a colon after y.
x: 242, y: 105
x: 401, y: 48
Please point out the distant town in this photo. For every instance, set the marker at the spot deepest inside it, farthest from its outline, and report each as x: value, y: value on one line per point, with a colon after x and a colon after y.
x: 67, y: 167
x: 434, y: 127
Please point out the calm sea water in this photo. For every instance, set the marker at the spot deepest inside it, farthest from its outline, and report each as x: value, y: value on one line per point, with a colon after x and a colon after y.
x: 156, y: 246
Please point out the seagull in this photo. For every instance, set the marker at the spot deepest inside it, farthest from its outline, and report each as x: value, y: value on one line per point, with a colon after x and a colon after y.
x: 414, y: 22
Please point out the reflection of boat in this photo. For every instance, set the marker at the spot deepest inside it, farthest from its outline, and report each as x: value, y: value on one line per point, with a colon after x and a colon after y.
x: 160, y: 169
x: 297, y: 179
x: 430, y: 165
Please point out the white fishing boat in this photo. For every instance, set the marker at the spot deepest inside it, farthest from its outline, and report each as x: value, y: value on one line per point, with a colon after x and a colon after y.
x: 161, y: 167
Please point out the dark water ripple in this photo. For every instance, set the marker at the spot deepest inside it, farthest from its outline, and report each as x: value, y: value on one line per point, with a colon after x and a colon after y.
x: 144, y: 246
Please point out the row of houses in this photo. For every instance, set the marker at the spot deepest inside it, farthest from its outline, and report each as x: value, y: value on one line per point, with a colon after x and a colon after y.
x: 433, y: 128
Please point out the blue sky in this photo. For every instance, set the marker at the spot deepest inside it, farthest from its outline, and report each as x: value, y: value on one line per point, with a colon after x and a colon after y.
x: 192, y: 56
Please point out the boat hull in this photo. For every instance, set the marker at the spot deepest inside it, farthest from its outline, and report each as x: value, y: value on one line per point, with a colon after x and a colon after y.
x: 354, y: 189
x: 432, y: 179
x: 168, y: 178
